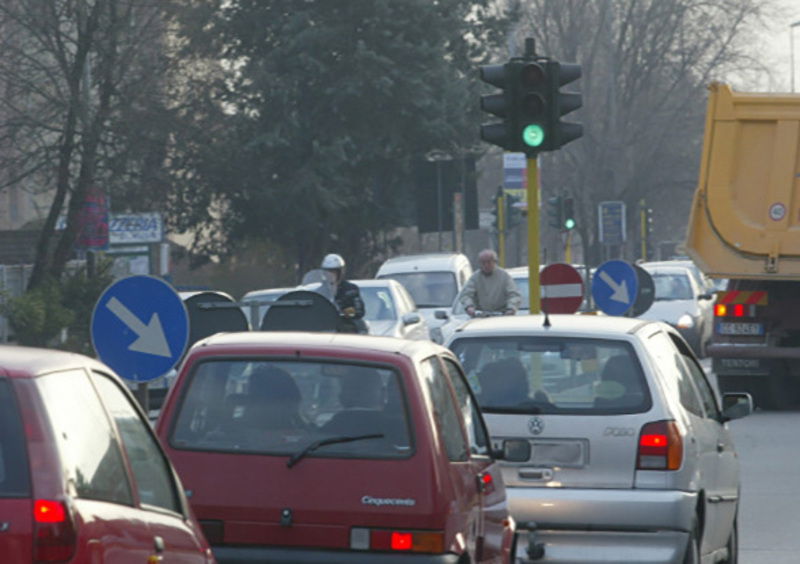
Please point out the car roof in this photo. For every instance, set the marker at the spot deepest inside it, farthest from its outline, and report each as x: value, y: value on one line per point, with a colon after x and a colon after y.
x: 583, y: 325
x: 336, y: 343
x: 421, y: 262
x: 375, y: 282
x: 269, y: 292
x: 29, y: 362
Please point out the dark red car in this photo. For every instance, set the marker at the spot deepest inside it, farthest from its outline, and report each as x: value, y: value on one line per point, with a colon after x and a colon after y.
x: 83, y: 479
x: 301, y: 447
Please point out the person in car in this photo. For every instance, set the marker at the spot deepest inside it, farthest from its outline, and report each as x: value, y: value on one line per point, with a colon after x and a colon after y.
x: 491, y: 289
x: 273, y: 405
x: 346, y: 295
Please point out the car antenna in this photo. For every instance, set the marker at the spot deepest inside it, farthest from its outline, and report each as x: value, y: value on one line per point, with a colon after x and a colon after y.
x: 546, y: 318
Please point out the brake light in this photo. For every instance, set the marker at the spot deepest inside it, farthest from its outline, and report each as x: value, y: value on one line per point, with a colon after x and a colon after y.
x: 431, y: 542
x: 54, y: 536
x: 660, y: 447
x: 720, y: 310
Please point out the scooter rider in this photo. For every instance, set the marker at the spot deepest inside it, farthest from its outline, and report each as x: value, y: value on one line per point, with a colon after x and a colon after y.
x: 346, y: 295
x: 491, y: 289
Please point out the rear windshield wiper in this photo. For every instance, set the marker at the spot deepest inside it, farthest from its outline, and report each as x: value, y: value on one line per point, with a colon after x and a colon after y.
x: 295, y: 458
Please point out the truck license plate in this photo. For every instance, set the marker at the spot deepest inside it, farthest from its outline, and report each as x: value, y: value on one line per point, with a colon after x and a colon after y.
x: 736, y: 328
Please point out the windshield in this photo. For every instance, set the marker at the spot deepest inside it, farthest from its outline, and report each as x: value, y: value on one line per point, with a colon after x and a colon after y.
x: 429, y: 289
x: 531, y: 375
x: 672, y: 287
x: 378, y: 304
x: 281, y: 407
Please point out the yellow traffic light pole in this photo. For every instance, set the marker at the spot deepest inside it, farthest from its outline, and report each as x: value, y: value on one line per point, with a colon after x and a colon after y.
x: 533, y: 235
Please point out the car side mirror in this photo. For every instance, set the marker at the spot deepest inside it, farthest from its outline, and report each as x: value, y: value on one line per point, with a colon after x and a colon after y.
x: 736, y: 405
x: 514, y: 450
x: 441, y: 314
x: 705, y: 297
x: 411, y: 317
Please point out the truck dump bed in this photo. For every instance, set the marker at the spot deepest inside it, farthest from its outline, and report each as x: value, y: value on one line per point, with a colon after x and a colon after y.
x: 745, y: 219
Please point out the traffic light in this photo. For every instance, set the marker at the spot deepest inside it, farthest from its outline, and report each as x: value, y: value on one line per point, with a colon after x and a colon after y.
x: 569, y: 214
x: 532, y: 108
x: 513, y: 211
x: 562, y: 132
x: 499, y: 104
x: 497, y: 221
x: 555, y: 211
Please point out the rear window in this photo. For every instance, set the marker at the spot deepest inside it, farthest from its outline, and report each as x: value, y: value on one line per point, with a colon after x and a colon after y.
x: 429, y: 289
x: 282, y: 407
x: 14, y: 476
x: 532, y: 375
x: 672, y: 287
x: 378, y: 304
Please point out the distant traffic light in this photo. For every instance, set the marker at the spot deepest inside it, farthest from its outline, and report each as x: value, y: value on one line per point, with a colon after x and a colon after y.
x: 513, y: 211
x: 562, y: 132
x: 555, y: 212
x: 499, y: 104
x: 569, y: 214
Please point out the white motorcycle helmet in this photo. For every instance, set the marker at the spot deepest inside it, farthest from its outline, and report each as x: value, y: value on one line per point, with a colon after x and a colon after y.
x: 332, y: 262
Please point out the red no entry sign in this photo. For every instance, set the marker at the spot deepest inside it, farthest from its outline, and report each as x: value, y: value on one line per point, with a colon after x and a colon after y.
x: 562, y: 289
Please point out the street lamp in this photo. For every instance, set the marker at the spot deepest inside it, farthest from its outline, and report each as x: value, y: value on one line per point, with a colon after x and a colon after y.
x: 791, y: 50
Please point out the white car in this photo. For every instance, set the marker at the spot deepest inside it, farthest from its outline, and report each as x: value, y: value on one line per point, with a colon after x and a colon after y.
x: 433, y: 280
x: 257, y: 302
x: 391, y: 311
x: 629, y: 455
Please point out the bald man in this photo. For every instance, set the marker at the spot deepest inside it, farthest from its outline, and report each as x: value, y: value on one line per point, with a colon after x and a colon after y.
x: 491, y: 289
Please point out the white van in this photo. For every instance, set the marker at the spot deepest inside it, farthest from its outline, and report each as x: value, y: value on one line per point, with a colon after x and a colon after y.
x: 433, y: 280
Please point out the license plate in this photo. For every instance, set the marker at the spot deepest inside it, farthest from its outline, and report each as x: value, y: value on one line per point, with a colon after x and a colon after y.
x: 736, y: 328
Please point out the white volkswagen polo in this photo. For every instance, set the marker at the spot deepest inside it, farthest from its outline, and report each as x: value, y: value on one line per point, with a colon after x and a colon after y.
x: 628, y: 455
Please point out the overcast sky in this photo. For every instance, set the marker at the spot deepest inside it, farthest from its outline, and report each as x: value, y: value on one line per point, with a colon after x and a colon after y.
x: 771, y: 45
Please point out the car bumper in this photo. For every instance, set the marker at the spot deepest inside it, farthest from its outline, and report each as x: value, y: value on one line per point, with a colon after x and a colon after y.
x: 598, y: 525
x: 266, y: 555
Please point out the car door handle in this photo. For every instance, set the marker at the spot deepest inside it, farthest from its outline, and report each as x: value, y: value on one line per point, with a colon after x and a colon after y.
x: 720, y: 447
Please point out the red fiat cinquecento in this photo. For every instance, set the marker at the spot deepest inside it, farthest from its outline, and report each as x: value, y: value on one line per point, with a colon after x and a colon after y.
x: 313, y: 447
x: 83, y: 478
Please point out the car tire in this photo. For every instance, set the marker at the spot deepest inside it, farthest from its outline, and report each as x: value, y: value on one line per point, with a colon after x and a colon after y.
x: 692, y: 554
x: 733, y: 545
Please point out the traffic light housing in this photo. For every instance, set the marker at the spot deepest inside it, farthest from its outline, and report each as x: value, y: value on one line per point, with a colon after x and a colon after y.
x: 555, y: 212
x: 499, y: 104
x: 532, y: 107
x: 513, y: 211
x: 562, y: 103
x: 569, y: 222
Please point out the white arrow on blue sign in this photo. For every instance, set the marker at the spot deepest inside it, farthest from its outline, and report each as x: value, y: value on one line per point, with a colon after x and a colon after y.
x: 140, y: 327
x: 615, y: 287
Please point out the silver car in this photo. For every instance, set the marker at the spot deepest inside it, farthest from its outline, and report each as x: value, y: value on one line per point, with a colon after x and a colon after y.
x: 628, y: 454
x: 391, y: 311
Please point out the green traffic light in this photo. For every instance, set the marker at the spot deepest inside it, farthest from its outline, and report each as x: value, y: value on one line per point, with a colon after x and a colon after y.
x: 533, y: 135
x: 569, y: 224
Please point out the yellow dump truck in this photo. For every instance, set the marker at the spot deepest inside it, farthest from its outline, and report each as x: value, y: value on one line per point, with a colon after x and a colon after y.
x: 745, y: 226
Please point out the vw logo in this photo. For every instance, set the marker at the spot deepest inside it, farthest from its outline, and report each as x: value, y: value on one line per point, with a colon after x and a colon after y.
x: 535, y: 425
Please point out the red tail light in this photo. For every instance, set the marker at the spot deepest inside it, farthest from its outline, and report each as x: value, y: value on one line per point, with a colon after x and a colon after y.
x: 54, y: 537
x: 734, y: 310
x: 660, y: 447
x: 431, y: 542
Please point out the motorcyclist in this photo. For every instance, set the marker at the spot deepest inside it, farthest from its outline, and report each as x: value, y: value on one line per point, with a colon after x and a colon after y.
x: 491, y: 289
x: 346, y: 295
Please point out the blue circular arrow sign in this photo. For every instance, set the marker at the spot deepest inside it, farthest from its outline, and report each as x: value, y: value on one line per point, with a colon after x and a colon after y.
x: 615, y: 287
x: 140, y: 327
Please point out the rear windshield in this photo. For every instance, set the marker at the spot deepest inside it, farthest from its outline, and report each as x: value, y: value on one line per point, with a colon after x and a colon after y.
x: 14, y: 476
x: 429, y: 289
x: 672, y: 287
x: 282, y: 407
x: 553, y: 375
x: 378, y: 304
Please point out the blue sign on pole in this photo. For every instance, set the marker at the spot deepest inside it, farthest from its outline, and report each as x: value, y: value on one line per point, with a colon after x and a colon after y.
x: 615, y: 287
x: 140, y: 327
x: 611, y: 223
